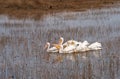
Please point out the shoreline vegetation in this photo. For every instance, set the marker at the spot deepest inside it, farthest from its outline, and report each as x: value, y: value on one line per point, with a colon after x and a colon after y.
x: 37, y: 8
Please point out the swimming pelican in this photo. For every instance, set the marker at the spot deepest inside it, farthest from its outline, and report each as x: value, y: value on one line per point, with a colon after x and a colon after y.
x: 95, y: 46
x: 66, y: 44
x: 86, y: 47
x: 71, y: 46
x: 81, y: 47
x: 52, y: 49
x: 68, y: 49
x: 70, y: 42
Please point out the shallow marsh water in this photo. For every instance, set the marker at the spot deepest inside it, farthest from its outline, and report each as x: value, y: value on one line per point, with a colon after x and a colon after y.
x: 22, y: 41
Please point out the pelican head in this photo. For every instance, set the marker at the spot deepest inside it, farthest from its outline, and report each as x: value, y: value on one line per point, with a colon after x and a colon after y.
x: 47, y: 45
x: 61, y: 40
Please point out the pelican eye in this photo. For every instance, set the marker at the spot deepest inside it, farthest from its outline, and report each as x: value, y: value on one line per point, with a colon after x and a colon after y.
x: 77, y: 44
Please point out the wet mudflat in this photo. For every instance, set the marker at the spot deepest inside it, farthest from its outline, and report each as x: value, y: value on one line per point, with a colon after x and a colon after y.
x: 22, y: 54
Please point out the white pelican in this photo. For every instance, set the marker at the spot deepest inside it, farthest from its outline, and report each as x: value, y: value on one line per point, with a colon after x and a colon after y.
x: 84, y: 47
x: 68, y: 49
x: 61, y: 40
x: 81, y: 47
x: 52, y: 49
x: 70, y: 42
x: 66, y: 44
x: 71, y: 46
x: 95, y: 46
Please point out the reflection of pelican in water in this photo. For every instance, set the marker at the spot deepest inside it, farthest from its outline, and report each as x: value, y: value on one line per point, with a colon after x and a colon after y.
x: 52, y: 49
x: 59, y: 58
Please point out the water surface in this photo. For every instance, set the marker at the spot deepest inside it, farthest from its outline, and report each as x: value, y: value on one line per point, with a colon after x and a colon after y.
x: 22, y: 41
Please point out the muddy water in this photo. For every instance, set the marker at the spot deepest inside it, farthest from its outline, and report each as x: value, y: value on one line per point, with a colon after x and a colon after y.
x: 22, y: 41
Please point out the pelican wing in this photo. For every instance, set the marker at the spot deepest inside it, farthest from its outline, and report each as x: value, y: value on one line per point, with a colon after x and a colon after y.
x: 70, y: 42
x: 69, y: 49
x: 95, y: 46
x: 81, y: 48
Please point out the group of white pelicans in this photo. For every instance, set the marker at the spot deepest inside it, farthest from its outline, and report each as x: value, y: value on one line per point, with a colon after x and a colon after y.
x: 72, y: 46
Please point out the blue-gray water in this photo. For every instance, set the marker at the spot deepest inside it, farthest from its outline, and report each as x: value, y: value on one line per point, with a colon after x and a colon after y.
x: 22, y: 42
